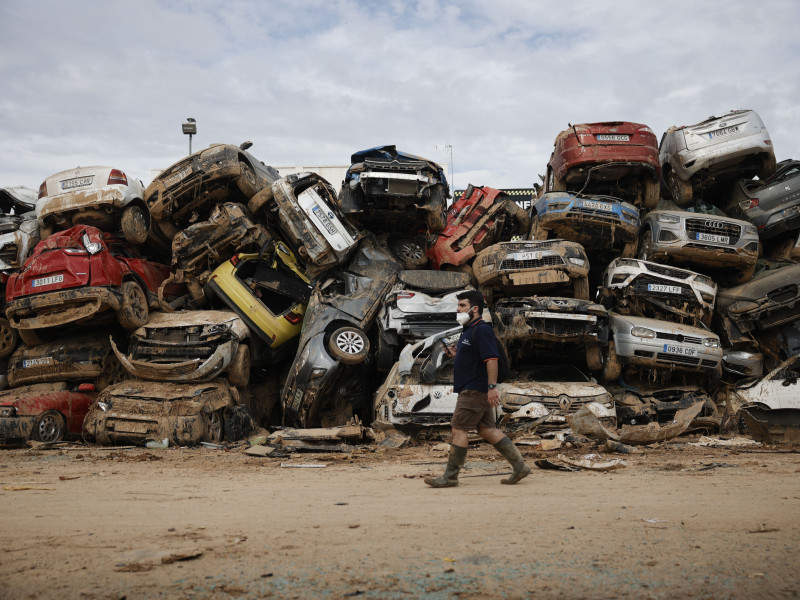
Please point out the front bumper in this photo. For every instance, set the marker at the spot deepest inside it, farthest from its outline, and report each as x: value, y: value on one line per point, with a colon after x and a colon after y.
x: 190, y: 370
x: 61, y: 307
x: 656, y: 352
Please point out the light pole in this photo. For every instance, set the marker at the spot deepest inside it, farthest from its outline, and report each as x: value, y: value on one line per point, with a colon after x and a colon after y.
x: 452, y: 170
x: 189, y: 128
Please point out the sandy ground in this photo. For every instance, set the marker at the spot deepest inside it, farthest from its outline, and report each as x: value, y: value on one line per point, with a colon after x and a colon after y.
x: 678, y: 522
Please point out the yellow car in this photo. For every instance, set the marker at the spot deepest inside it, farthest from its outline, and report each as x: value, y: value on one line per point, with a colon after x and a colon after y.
x: 269, y: 291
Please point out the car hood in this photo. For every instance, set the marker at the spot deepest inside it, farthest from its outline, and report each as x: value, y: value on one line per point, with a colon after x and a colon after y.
x: 619, y: 321
x: 788, y: 274
x: 552, y: 389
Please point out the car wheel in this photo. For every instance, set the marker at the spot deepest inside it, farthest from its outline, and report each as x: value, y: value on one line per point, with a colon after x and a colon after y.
x: 651, y: 191
x: 594, y: 358
x: 556, y: 184
x: 247, y: 182
x: 133, y: 311
x: 580, y: 288
x: 646, y: 245
x: 349, y: 345
x: 612, y: 367
x: 134, y: 224
x: 681, y: 190
x: 409, y: 252
x: 537, y: 232
x: 8, y: 338
x: 113, y: 372
x: 767, y: 168
x: 260, y: 200
x: 215, y: 427
x: 50, y: 426
x: 239, y: 369
x: 30, y: 337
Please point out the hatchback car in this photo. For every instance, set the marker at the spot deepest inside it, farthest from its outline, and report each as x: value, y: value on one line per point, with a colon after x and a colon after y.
x: 616, y: 158
x: 103, y: 197
x: 696, y: 157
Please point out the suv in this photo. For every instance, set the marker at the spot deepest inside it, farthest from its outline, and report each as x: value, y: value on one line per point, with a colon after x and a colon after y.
x: 515, y: 268
x: 697, y: 157
x: 701, y: 236
x: 600, y: 223
x: 616, y: 158
x: 387, y: 190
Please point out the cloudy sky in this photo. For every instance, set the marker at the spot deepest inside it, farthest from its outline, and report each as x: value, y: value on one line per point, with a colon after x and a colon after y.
x: 309, y: 82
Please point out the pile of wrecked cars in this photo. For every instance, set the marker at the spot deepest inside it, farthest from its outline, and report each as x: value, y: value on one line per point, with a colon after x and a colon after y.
x: 648, y: 289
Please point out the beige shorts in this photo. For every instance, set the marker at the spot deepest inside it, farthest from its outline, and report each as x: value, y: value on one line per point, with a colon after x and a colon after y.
x: 473, y: 411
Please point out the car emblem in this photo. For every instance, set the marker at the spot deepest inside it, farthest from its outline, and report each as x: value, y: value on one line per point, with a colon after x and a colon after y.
x: 788, y: 188
x: 330, y: 215
x: 715, y: 224
x: 564, y: 401
x: 437, y: 395
x: 723, y: 124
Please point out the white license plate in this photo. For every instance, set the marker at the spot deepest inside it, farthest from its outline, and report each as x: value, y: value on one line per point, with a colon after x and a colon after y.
x: 710, y: 237
x: 680, y: 350
x: 597, y: 205
x: 77, y: 182
x: 667, y: 289
x: 180, y: 175
x: 613, y: 137
x: 35, y: 362
x: 48, y: 280
x: 527, y: 256
x: 723, y: 132
x: 326, y: 222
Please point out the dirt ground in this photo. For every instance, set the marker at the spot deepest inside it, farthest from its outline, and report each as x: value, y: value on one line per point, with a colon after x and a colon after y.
x: 680, y: 521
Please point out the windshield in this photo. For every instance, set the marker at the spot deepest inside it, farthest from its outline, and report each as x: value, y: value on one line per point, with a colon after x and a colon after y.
x: 698, y: 207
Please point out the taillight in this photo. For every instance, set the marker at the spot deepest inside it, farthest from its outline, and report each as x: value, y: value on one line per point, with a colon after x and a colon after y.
x: 405, y: 295
x: 235, y: 260
x: 750, y: 203
x: 43, y: 190
x: 293, y: 318
x: 86, y: 387
x: 117, y: 177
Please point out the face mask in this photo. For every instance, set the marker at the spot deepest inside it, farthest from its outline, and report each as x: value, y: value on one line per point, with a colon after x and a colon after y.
x: 464, y: 318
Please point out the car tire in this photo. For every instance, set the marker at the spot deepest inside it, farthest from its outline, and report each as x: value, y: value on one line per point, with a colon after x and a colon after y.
x: 612, y: 368
x: 134, y: 224
x: 247, y: 182
x: 594, y: 357
x: 767, y: 167
x: 215, y: 427
x: 646, y: 245
x: 133, y: 310
x: 580, y: 288
x: 30, y: 337
x: 385, y: 354
x: 239, y: 369
x: 680, y: 190
x: 437, y: 218
x: 556, y: 184
x: 537, y: 232
x: 9, y: 338
x: 349, y: 345
x: 409, y: 252
x: 260, y: 200
x: 50, y: 426
x: 651, y: 192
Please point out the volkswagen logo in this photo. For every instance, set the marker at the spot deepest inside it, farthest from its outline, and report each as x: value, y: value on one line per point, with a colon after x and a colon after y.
x: 715, y: 224
x: 723, y: 124
x: 564, y: 401
x: 437, y: 394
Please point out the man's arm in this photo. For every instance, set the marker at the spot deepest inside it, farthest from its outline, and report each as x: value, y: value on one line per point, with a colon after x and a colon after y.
x: 491, y: 374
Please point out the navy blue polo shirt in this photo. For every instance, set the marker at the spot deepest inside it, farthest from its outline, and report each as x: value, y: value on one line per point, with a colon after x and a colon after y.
x: 476, y: 345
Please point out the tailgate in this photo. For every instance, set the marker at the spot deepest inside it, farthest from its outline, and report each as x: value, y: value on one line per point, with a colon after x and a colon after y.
x: 722, y: 130
x: 57, y: 269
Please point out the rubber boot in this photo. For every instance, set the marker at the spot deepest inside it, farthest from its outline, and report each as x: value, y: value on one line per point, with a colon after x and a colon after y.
x: 509, y: 451
x: 456, y: 460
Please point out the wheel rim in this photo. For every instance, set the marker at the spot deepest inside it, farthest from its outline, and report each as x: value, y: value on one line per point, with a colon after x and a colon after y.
x: 350, y: 342
x: 215, y: 427
x: 49, y: 429
x: 410, y: 250
x: 137, y: 302
x: 6, y: 337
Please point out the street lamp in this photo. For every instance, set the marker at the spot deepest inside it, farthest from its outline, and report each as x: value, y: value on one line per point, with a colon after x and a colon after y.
x: 189, y: 128
x: 452, y: 171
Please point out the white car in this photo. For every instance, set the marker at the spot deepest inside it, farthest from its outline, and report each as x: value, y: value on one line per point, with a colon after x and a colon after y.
x: 103, y: 197
x: 19, y: 229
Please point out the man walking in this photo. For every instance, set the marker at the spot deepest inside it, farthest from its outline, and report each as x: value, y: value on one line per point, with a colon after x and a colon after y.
x: 475, y: 380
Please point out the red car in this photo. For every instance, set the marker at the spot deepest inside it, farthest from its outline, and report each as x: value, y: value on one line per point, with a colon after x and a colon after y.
x: 477, y: 220
x: 46, y: 412
x: 617, y: 158
x: 76, y: 274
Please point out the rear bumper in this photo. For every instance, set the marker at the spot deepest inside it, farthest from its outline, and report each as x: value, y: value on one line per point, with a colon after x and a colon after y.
x: 59, y: 308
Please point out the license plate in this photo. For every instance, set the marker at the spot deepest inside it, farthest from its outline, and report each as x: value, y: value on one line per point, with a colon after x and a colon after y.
x: 527, y: 256
x: 723, y: 132
x: 710, y: 237
x: 597, y: 205
x: 180, y: 175
x: 667, y: 289
x: 613, y: 137
x: 35, y: 362
x: 326, y: 222
x: 680, y: 350
x: 48, y: 280
x: 77, y: 182
x: 128, y: 427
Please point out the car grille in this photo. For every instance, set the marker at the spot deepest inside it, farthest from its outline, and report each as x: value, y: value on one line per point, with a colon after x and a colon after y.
x: 186, y: 352
x: 642, y: 281
x: 704, y: 246
x: 546, y: 261
x: 677, y: 358
x: 687, y: 339
x: 708, y: 363
x: 553, y: 406
x: 668, y: 272
x: 695, y: 226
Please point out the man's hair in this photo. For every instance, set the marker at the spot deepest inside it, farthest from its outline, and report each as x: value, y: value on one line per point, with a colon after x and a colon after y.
x: 474, y: 297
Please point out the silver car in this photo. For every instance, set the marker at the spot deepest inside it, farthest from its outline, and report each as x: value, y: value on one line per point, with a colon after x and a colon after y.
x: 657, y: 344
x: 19, y: 229
x: 700, y: 236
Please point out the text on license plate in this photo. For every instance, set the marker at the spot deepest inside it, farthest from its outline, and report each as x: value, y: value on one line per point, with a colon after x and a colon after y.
x: 724, y: 131
x: 680, y: 350
x: 667, y: 289
x: 597, y: 205
x: 48, y: 280
x: 68, y: 184
x: 527, y: 256
x: 710, y: 237
x: 170, y: 181
x: 613, y: 137
x: 326, y: 222
x: 35, y: 362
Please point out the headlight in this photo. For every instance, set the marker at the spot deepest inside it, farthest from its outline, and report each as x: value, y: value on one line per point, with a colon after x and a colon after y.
x: 711, y: 342
x: 627, y: 262
x: 91, y: 247
x: 750, y: 230
x: 643, y: 332
x: 665, y: 218
x: 742, y: 306
x: 216, y: 328
x: 318, y: 373
x: 704, y: 280
x: 577, y: 261
x: 8, y: 411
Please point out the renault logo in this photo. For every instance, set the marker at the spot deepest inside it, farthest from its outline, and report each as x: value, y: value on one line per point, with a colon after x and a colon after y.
x: 564, y: 401
x: 715, y: 224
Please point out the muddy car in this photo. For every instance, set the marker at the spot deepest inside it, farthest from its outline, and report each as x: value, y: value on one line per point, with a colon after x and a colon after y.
x: 653, y: 344
x: 331, y: 368
x: 303, y: 206
x: 700, y: 236
x: 601, y: 223
x: 697, y: 157
x: 532, y: 267
x: 44, y: 412
x: 190, y: 189
x: 78, y: 274
x: 103, y: 197
x: 769, y: 299
x: 133, y: 412
x: 385, y: 189
x: 616, y: 158
x: 742, y: 362
x: 640, y: 405
x: 19, y: 229
x: 547, y: 327
x: 82, y: 358
x: 192, y: 345
x: 544, y: 396
x: 648, y: 289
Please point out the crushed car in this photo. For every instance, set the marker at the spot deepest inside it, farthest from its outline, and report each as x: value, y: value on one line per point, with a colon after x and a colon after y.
x: 529, y: 266
x: 19, y: 229
x: 385, y: 189
x: 695, y: 158
x: 616, y: 158
x: 643, y: 404
x: 601, y: 223
x: 77, y: 274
